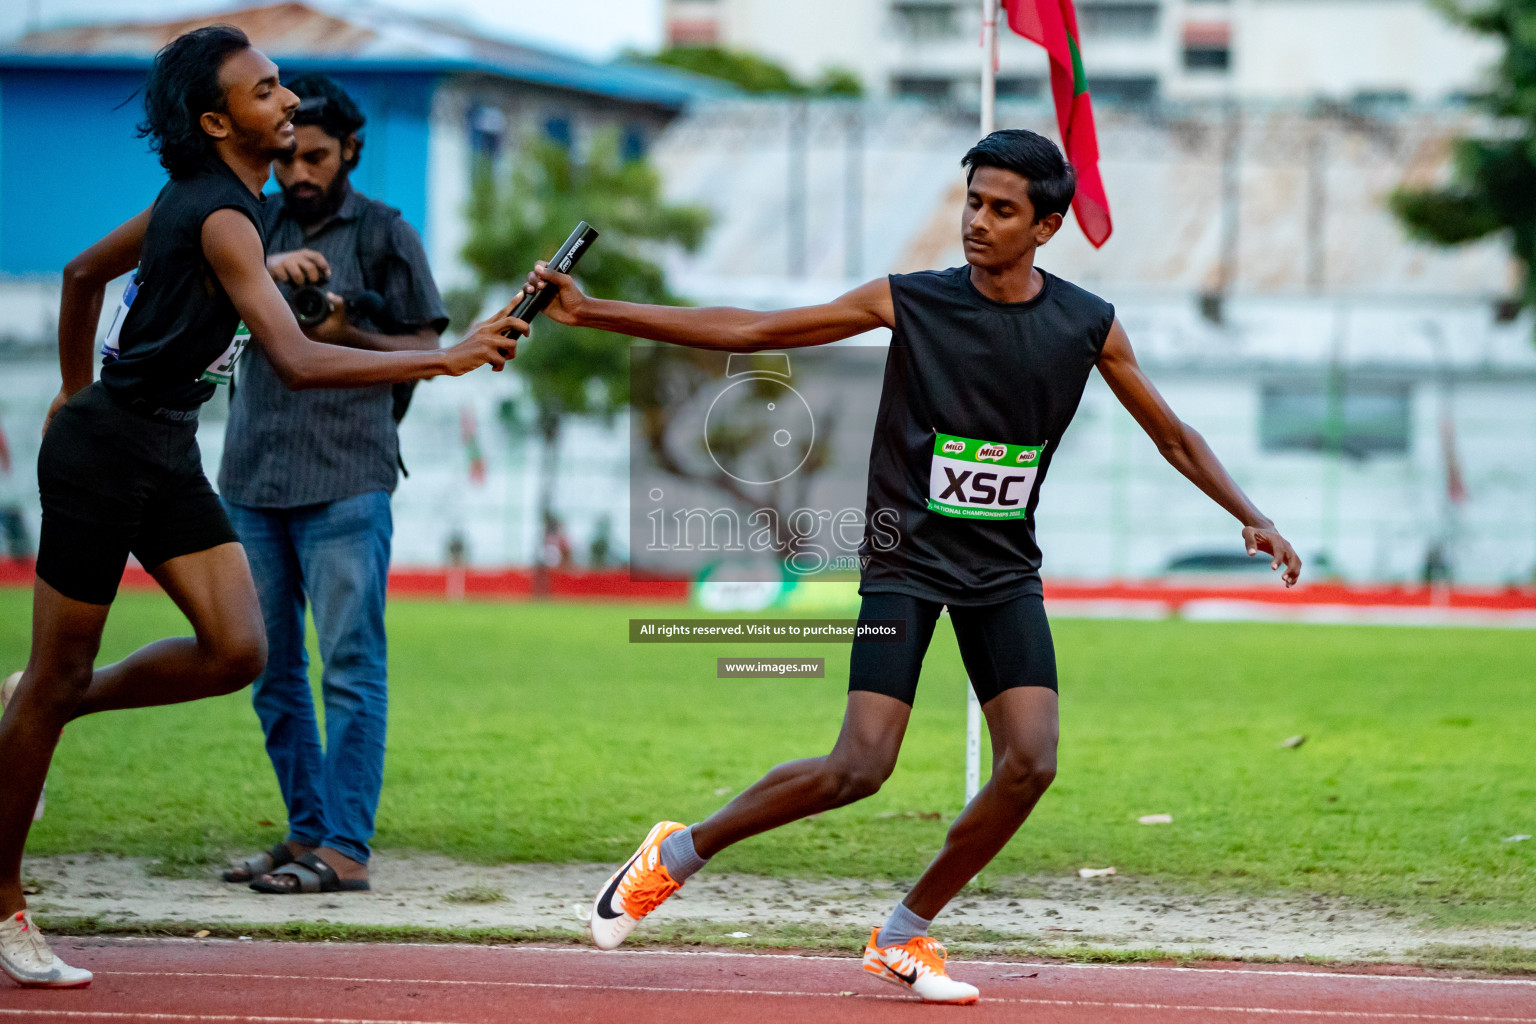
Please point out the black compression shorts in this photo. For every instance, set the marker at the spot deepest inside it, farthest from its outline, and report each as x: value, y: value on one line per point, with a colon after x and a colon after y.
x: 1003, y: 645
x: 116, y: 482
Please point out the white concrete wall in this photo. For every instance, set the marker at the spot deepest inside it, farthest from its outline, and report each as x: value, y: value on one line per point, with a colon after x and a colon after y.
x: 1112, y: 508
x: 499, y: 517
x: 448, y: 179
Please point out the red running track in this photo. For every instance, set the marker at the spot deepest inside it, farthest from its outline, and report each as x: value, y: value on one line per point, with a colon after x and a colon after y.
x: 222, y: 982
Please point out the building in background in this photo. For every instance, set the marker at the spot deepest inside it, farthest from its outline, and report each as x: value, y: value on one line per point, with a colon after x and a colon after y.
x: 436, y: 95
x: 1134, y: 50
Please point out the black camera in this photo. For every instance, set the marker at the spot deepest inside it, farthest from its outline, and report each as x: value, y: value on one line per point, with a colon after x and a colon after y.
x: 311, y: 304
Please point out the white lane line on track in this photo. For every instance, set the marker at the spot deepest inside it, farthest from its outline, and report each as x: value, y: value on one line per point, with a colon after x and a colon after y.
x: 684, y: 990
x: 1248, y: 972
x: 466, y: 983
x: 1257, y: 971
x: 1072, y: 1003
x: 1270, y: 1011
x: 1262, y: 972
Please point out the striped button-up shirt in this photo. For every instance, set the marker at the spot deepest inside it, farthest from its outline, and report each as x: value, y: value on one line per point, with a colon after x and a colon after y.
x: 286, y: 449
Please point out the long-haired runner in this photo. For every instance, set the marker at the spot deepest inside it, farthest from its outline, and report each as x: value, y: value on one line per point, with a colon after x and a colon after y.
x: 986, y: 366
x: 119, y: 468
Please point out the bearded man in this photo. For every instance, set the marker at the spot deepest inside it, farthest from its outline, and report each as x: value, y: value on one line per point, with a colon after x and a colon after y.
x: 307, y: 479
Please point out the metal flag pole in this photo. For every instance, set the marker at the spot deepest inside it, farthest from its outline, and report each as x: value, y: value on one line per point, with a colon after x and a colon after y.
x: 988, y: 66
x: 988, y: 124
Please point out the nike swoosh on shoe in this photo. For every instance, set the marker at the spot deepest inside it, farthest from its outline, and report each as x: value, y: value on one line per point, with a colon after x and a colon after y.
x: 605, y: 902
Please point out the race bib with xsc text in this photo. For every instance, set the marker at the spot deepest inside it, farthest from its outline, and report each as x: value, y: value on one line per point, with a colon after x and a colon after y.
x: 973, y: 479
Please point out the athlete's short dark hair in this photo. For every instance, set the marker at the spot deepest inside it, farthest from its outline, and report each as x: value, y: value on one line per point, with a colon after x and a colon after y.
x: 324, y: 103
x: 1052, y: 181
x: 183, y: 86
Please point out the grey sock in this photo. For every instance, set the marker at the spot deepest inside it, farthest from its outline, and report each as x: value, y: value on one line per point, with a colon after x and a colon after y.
x: 902, y: 926
x: 679, y: 857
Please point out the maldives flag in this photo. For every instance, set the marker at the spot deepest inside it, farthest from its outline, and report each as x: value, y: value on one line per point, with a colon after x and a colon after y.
x: 1053, y: 24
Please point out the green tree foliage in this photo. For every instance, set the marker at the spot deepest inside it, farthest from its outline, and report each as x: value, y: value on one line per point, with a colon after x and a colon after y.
x: 1493, y: 181
x: 839, y: 82
x: 757, y: 74
x: 524, y: 218
x: 515, y: 223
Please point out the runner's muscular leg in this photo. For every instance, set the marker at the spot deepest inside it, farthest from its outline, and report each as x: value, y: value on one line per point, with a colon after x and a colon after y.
x: 1023, y: 725
x: 213, y: 589
x: 860, y: 761
x: 66, y: 635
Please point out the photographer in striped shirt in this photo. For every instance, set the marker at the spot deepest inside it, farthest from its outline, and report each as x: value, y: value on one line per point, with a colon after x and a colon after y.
x: 307, y: 478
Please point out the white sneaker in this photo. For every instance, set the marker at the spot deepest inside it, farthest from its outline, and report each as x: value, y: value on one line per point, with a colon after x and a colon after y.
x: 25, y: 956
x: 633, y: 891
x: 8, y: 688
x: 917, y: 965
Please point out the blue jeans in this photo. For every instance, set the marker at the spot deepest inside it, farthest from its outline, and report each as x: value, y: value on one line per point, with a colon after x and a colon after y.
x: 337, y: 556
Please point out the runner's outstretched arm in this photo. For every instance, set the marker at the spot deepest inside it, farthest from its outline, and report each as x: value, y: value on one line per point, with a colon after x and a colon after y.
x: 1187, y: 451
x: 85, y: 286
x: 721, y: 327
x: 234, y: 251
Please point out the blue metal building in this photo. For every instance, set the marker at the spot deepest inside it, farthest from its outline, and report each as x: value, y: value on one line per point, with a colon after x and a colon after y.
x: 72, y: 166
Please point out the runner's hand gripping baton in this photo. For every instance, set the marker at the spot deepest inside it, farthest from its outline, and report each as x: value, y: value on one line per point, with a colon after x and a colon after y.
x: 571, y: 250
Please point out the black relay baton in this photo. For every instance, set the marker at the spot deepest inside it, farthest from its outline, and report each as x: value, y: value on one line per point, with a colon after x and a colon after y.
x: 571, y: 250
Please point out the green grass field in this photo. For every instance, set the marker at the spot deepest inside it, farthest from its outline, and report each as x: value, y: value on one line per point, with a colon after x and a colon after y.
x: 535, y: 732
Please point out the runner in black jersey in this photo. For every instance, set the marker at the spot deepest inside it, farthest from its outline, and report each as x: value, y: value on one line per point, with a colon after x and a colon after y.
x: 119, y: 469
x: 986, y: 366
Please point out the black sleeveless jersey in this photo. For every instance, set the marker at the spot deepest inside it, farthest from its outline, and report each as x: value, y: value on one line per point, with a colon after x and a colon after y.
x: 177, y: 335
x: 977, y: 395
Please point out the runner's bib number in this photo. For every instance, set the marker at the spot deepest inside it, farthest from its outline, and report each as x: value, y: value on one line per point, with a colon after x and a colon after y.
x: 973, y: 479
x: 220, y: 372
x: 223, y: 368
x: 109, y: 345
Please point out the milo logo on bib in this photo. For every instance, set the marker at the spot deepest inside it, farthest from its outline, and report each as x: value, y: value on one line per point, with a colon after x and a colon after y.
x: 223, y: 368
x: 975, y: 479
